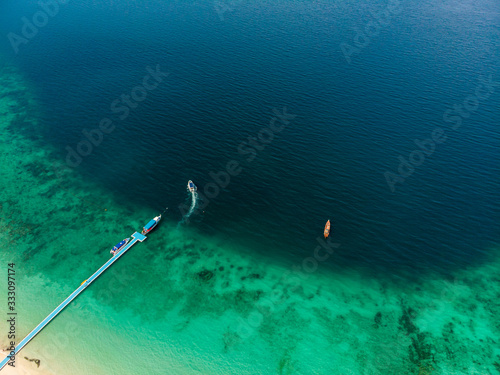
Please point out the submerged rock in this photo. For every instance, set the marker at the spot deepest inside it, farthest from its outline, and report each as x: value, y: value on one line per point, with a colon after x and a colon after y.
x: 497, y: 366
x: 205, y: 275
x: 37, y: 361
x: 251, y: 276
x: 406, y: 321
x: 421, y: 349
x: 378, y: 319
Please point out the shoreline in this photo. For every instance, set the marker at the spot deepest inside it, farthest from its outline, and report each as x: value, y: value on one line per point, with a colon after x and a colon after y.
x: 23, y: 366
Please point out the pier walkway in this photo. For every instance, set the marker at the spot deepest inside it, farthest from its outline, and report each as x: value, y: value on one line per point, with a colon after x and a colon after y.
x: 135, y: 237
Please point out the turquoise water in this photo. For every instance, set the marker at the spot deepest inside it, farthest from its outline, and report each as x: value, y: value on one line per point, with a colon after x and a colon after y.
x: 410, y: 286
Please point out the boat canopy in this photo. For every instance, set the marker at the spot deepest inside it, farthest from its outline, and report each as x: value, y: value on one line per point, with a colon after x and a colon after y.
x: 119, y: 245
x: 150, y: 225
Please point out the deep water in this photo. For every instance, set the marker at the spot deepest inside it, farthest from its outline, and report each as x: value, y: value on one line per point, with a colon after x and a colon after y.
x: 411, y: 287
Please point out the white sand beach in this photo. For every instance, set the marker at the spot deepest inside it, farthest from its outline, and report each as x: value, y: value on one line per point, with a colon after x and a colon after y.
x: 24, y: 366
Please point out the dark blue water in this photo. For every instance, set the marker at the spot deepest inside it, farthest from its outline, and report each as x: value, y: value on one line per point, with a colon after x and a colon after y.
x: 353, y: 120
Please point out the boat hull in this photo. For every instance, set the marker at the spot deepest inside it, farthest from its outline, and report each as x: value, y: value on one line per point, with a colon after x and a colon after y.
x: 191, y: 186
x: 119, y: 246
x: 151, y: 225
x: 326, y: 232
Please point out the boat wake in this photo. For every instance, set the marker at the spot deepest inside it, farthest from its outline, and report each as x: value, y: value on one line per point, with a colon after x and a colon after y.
x: 194, y: 202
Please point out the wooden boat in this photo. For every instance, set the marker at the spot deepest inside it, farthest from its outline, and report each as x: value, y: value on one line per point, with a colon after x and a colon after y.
x: 327, y: 229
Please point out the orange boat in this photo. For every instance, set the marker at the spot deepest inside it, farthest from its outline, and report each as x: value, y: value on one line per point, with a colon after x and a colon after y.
x: 327, y: 229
